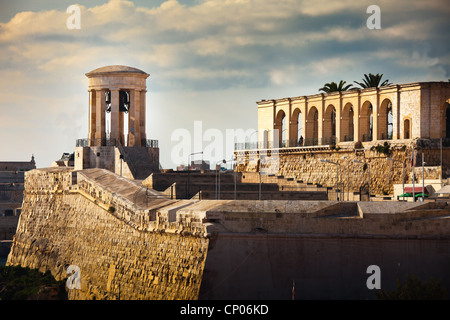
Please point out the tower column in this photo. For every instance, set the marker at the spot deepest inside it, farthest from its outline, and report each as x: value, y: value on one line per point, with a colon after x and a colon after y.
x: 121, y: 133
x: 134, y: 119
x: 114, y: 135
x: 92, y: 118
x: 142, y: 135
x: 100, y: 109
x: 356, y: 119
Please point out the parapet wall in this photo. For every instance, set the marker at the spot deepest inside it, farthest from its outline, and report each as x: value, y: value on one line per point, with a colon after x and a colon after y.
x: 151, y: 247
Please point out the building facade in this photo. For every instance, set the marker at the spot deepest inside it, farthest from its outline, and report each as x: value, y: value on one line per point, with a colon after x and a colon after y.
x: 12, y: 185
x: 406, y: 111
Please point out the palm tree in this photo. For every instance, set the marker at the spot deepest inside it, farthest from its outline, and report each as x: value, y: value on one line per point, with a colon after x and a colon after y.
x: 373, y: 81
x: 333, y: 87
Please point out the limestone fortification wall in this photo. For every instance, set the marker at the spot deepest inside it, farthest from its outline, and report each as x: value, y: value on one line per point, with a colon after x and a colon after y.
x: 117, y: 259
x: 305, y: 164
x: 151, y: 247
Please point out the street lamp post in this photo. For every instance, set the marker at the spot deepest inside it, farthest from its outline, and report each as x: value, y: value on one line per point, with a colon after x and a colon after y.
x: 423, y: 178
x: 337, y: 175
x: 218, y: 188
x: 234, y: 174
x: 233, y: 159
x: 189, y: 172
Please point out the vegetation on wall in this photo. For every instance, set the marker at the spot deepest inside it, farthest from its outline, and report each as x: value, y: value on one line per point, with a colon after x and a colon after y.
x: 17, y: 283
x: 414, y: 289
x: 369, y: 81
x: 383, y: 149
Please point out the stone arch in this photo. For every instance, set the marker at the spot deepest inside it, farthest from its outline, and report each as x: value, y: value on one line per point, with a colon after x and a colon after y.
x: 296, y: 126
x: 347, y: 122
x: 407, y: 128
x: 280, y: 127
x: 312, y: 127
x: 329, y: 125
x: 385, y: 120
x: 366, y: 121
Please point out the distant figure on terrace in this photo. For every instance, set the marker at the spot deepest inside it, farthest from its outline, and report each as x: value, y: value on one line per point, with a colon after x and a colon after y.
x: 300, y: 141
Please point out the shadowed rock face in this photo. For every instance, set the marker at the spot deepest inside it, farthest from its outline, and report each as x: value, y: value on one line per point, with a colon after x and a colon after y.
x: 17, y: 283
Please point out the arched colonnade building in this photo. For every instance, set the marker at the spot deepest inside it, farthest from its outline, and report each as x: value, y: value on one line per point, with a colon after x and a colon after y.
x: 405, y: 111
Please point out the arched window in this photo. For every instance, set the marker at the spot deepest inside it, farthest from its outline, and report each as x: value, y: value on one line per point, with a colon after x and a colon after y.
x: 351, y: 124
x: 312, y: 127
x: 347, y: 123
x: 407, y: 129
x: 366, y: 121
x: 385, y: 120
x: 390, y: 123
x: 295, y: 130
x: 329, y: 126
x: 280, y: 127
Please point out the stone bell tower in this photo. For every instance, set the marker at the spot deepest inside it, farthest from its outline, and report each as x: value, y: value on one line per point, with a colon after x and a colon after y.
x: 118, y: 93
x: 117, y: 90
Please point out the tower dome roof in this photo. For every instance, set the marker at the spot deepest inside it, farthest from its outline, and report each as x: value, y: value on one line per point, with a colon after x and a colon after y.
x: 114, y: 69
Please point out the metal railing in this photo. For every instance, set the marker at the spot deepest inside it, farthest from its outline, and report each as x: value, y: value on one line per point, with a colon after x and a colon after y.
x: 97, y: 142
x: 366, y: 137
x: 348, y: 138
x: 150, y: 143
x: 386, y: 136
x: 112, y: 142
x: 285, y: 143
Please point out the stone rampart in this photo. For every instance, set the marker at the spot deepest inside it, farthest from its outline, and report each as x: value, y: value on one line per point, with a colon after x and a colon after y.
x: 151, y: 247
x: 118, y: 257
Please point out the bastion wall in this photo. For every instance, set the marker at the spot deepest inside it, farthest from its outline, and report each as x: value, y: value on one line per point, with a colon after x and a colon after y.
x: 118, y: 259
x: 131, y: 242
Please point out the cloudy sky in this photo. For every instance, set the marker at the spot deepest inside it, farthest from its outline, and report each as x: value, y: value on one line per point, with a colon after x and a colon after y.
x: 208, y: 60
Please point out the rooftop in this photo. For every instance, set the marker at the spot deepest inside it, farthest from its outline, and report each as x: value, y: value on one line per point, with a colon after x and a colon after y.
x: 114, y: 69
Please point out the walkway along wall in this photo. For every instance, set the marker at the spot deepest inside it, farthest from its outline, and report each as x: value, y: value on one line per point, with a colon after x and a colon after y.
x: 133, y: 243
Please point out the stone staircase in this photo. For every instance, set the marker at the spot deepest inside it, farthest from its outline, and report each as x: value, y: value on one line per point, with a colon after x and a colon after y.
x: 290, y: 183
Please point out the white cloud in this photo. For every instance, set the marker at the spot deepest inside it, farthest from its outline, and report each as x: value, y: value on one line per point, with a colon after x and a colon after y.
x: 279, y: 47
